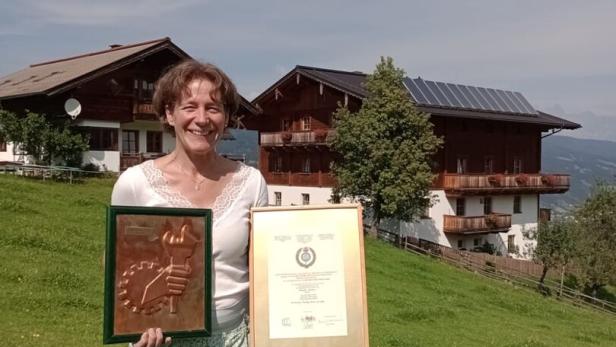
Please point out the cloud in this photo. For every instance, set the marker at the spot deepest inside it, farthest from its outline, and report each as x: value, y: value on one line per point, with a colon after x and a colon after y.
x: 76, y: 12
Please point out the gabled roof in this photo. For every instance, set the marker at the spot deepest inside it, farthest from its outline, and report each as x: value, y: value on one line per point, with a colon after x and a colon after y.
x: 438, y: 98
x: 56, y: 76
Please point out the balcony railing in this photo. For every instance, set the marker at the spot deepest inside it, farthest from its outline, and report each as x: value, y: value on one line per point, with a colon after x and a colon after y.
x: 491, y: 223
x: 143, y: 107
x: 131, y: 159
x: 476, y: 184
x: 296, y: 138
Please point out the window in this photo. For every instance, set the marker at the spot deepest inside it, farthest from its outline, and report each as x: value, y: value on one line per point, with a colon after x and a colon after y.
x: 278, y: 198
x: 488, y: 165
x: 286, y: 124
x: 2, y: 145
x: 426, y: 213
x: 143, y: 89
x: 461, y: 165
x: 517, y: 204
x: 154, y: 141
x: 511, y: 243
x: 306, y: 123
x: 130, y: 141
x: 460, y: 244
x: 460, y: 207
x: 306, y: 165
x: 517, y: 165
x: 278, y: 164
x: 102, y: 139
x: 305, y: 199
x: 487, y: 205
x: 477, y: 242
x: 275, y: 162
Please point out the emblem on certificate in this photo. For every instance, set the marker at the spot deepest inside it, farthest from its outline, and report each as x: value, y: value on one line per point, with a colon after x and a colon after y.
x: 307, y: 277
x: 157, y: 272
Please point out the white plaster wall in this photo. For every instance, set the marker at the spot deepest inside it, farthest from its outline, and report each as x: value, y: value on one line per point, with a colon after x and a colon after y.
x: 8, y: 154
x: 520, y: 223
x: 431, y: 229
x: 292, y: 195
x: 106, y: 160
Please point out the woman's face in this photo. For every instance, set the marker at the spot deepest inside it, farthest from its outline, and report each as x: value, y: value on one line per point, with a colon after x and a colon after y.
x: 198, y: 120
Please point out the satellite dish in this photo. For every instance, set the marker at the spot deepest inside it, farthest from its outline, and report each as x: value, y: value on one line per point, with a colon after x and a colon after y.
x: 72, y: 107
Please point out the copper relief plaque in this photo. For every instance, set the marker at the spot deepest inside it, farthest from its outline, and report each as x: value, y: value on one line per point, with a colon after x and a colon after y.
x: 158, y: 272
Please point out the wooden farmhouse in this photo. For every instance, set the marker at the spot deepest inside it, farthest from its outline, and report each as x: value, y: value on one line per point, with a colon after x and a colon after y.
x: 489, y: 177
x: 114, y: 88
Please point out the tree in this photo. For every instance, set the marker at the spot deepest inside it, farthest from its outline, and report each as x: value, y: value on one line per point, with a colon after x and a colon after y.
x: 595, y: 238
x: 555, y: 246
x: 384, y: 150
x: 44, y: 141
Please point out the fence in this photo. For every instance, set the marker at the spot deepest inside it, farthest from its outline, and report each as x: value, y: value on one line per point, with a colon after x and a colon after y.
x: 519, y: 272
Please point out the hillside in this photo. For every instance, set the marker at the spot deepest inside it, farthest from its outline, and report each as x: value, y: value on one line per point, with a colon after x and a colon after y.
x: 587, y: 161
x: 51, y: 277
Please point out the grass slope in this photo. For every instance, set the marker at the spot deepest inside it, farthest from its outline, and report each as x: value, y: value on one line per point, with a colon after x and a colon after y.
x: 51, y: 279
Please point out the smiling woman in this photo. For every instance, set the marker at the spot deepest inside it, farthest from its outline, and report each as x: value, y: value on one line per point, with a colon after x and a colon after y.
x: 195, y: 101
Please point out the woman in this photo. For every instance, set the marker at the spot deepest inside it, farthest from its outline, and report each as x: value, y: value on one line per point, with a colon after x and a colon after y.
x: 195, y: 101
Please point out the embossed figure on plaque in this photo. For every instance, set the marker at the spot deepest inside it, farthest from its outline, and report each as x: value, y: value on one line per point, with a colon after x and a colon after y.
x: 160, y: 274
x: 146, y: 287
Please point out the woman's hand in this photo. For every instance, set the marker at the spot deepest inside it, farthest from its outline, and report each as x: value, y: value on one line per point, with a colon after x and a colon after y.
x: 153, y: 338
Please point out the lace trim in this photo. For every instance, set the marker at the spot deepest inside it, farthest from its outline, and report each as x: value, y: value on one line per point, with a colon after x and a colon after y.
x: 223, y: 201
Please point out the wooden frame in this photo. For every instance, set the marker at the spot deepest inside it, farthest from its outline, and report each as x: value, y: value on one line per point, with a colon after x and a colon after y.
x: 307, y: 277
x: 146, y: 246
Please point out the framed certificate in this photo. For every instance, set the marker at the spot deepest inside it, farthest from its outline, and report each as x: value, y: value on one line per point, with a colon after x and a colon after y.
x: 158, y: 268
x: 307, y: 277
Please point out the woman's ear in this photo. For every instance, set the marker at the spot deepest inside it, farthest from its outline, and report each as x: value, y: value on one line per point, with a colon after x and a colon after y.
x: 170, y: 116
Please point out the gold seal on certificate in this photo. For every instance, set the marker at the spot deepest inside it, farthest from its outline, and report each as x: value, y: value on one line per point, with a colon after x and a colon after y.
x: 307, y: 277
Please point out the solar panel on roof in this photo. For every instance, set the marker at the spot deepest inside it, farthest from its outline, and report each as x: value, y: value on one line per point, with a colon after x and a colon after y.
x: 460, y: 95
x: 415, y: 92
x: 432, y: 93
x: 452, y: 98
x: 466, y: 90
x: 484, y: 103
x: 426, y: 92
x: 437, y: 93
x: 525, y: 103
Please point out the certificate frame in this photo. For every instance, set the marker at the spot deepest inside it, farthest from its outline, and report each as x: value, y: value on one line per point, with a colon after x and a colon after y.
x: 159, y: 238
x: 269, y: 225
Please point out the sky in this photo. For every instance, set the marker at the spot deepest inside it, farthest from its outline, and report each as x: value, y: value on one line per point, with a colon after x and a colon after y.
x: 559, y: 54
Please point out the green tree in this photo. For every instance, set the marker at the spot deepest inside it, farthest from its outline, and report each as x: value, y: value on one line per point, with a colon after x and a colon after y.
x: 595, y: 238
x: 384, y: 150
x: 555, y: 246
x: 44, y: 141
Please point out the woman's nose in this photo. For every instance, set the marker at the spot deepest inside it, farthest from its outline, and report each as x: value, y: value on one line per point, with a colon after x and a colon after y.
x: 202, y: 117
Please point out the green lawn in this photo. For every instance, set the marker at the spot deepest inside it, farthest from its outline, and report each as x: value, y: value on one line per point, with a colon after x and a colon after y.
x: 51, y: 275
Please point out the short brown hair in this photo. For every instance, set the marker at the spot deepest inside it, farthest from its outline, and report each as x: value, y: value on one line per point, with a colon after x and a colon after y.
x: 173, y: 85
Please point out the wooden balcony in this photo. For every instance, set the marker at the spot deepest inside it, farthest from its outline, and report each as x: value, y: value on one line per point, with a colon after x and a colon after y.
x: 143, y: 110
x: 296, y: 138
x: 314, y: 179
x: 491, y: 223
x: 131, y: 159
x: 495, y: 184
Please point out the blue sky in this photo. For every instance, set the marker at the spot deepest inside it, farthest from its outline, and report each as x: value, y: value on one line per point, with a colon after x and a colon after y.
x: 559, y: 54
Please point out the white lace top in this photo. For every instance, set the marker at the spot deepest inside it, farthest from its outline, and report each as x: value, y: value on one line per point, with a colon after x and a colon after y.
x: 145, y: 185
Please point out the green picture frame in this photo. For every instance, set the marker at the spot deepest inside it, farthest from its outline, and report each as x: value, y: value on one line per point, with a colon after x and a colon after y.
x: 127, y: 280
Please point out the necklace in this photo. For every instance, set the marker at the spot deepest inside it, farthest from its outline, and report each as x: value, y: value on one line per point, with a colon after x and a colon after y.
x: 197, y: 182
